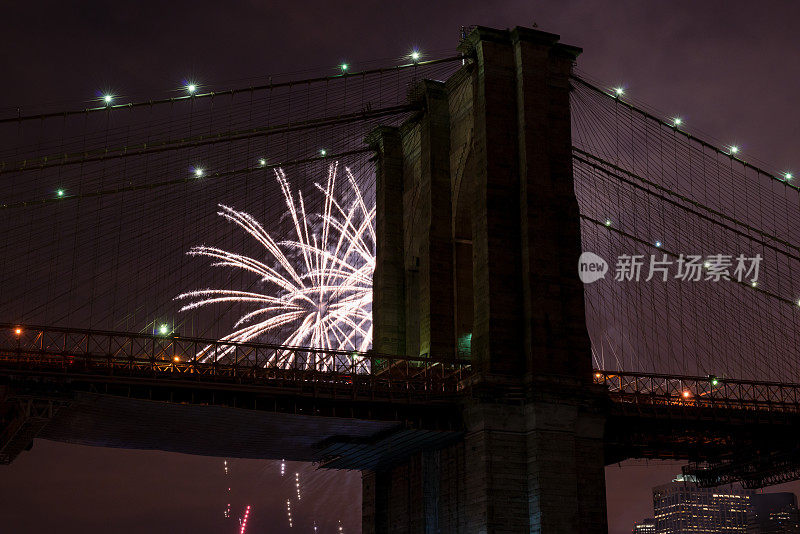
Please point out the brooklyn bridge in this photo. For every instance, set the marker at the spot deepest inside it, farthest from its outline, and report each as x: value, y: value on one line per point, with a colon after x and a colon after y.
x: 380, y: 270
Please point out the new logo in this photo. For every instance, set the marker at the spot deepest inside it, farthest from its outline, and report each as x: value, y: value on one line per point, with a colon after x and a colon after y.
x: 591, y: 267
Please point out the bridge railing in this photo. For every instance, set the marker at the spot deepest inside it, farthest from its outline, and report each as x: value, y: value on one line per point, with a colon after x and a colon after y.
x: 700, y: 391
x: 39, y: 349
x: 76, y: 352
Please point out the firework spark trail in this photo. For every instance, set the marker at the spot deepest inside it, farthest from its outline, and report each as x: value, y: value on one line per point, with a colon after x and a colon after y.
x: 227, y: 513
x: 243, y: 520
x: 322, y: 278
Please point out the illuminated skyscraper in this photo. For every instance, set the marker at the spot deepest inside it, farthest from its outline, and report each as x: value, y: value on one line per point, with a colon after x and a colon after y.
x: 645, y: 526
x: 681, y: 507
x: 773, y: 513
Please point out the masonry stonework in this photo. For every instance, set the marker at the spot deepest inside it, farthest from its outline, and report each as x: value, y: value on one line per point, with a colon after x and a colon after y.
x: 478, y: 261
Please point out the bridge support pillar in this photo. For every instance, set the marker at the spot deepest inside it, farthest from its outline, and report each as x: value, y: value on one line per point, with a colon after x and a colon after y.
x: 413, y: 279
x: 389, y: 321
x: 490, y: 247
x: 404, y: 498
x: 535, y: 467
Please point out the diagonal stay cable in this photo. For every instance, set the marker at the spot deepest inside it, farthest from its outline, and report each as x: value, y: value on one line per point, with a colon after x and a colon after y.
x: 267, y: 87
x: 689, y: 136
x: 200, y: 140
x: 179, y: 181
x: 602, y: 167
x: 675, y: 255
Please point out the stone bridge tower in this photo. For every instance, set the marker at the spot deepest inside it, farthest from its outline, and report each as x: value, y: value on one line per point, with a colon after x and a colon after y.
x: 478, y: 245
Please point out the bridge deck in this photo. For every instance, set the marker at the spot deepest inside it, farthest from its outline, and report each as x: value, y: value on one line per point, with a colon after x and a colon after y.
x: 708, y: 392
x: 86, y: 353
x: 688, y: 417
x: 82, y: 353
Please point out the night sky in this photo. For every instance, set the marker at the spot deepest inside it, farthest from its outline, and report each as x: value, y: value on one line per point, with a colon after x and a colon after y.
x: 729, y: 69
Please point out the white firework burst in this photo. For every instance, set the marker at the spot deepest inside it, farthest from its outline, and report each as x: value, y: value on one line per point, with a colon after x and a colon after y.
x: 317, y: 285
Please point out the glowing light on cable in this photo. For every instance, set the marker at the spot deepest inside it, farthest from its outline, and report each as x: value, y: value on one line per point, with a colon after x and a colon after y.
x: 787, y: 175
x: 619, y: 91
x: 323, y: 152
x: 198, y: 172
x: 289, y: 511
x: 734, y: 149
x: 677, y: 121
x: 108, y: 99
x: 60, y: 193
x: 608, y: 222
x: 283, y: 467
x: 317, y: 285
x: 297, y: 484
x: 262, y: 162
x: 344, y: 67
x: 163, y: 329
x: 415, y: 55
x: 191, y: 88
x: 657, y: 244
